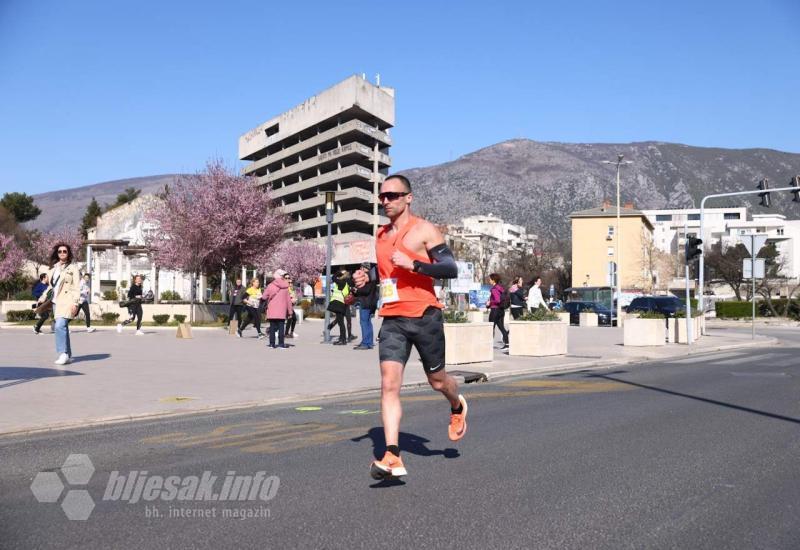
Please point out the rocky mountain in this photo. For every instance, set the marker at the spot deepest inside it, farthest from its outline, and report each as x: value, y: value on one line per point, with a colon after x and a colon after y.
x: 66, y: 207
x: 538, y: 184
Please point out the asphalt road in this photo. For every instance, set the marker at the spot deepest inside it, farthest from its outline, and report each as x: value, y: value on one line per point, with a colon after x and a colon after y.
x: 698, y: 452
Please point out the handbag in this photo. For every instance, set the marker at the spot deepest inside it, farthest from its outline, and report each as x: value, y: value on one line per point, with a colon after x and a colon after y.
x: 349, y: 300
x: 45, y: 304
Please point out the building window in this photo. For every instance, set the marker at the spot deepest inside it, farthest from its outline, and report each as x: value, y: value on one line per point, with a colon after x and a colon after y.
x: 610, y: 251
x: 272, y: 130
x: 731, y: 215
x: 663, y: 217
x: 694, y: 217
x: 780, y: 231
x: 610, y: 232
x: 742, y: 232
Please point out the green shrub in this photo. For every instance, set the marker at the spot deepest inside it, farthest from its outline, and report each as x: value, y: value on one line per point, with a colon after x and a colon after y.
x: 455, y: 317
x: 179, y: 318
x: 223, y: 318
x: 24, y: 295
x: 110, y: 295
x: 170, y: 296
x: 650, y: 315
x: 161, y: 319
x: 109, y: 317
x: 734, y: 310
x: 19, y: 315
x: 540, y: 314
x: 216, y: 297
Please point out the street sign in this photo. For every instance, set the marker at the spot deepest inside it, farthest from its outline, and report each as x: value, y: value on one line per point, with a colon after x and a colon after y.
x: 747, y: 268
x: 465, y: 280
x: 752, y: 242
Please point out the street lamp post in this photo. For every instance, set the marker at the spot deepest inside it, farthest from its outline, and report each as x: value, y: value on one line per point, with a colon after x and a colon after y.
x: 618, y: 248
x: 329, y: 199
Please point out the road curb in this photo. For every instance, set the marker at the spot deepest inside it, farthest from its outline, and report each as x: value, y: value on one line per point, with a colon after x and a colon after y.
x: 490, y: 377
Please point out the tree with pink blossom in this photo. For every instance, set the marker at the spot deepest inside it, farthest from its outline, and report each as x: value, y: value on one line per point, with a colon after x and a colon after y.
x: 42, y: 245
x: 212, y: 221
x: 304, y: 260
x: 11, y: 257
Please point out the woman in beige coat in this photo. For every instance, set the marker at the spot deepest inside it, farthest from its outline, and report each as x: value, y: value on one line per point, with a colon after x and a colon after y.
x: 65, y: 282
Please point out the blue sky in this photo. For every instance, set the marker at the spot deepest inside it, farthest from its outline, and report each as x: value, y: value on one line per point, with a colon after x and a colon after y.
x: 94, y: 90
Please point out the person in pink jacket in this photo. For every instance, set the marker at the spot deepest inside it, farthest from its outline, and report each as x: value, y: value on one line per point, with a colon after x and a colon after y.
x: 279, y: 307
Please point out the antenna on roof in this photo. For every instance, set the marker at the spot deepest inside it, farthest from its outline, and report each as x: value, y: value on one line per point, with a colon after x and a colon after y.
x: 378, y: 79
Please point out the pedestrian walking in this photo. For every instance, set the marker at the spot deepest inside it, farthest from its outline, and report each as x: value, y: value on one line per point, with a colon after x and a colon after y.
x: 366, y: 304
x: 349, y: 304
x: 535, y: 299
x: 517, y: 294
x: 252, y: 304
x: 134, y: 305
x: 279, y: 307
x: 411, y: 252
x: 65, y: 284
x: 43, y: 308
x: 86, y: 298
x: 496, y: 307
x: 237, y: 295
x: 291, y: 321
x: 340, y: 290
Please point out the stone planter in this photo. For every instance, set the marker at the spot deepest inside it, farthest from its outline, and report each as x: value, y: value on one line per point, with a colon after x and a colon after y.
x: 468, y: 343
x: 476, y: 317
x: 643, y: 332
x: 537, y: 338
x: 677, y: 330
x: 588, y: 319
x: 563, y: 317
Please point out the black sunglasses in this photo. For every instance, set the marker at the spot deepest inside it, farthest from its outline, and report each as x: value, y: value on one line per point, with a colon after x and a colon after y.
x: 63, y: 251
x: 391, y: 195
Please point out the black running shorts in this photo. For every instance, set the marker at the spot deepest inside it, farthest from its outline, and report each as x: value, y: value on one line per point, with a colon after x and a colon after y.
x: 426, y: 333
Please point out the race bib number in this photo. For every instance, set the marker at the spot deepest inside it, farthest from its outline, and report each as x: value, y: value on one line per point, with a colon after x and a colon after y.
x: 389, y: 291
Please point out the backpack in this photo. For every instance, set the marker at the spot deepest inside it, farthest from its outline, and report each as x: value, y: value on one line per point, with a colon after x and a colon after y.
x: 505, y: 299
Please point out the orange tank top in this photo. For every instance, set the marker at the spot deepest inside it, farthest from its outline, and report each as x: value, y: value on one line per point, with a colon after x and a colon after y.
x: 403, y: 293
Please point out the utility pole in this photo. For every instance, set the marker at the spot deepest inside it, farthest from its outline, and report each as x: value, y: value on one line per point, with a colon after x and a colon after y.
x: 618, y: 233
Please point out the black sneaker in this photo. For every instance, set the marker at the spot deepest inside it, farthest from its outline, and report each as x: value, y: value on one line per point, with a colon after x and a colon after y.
x: 340, y: 343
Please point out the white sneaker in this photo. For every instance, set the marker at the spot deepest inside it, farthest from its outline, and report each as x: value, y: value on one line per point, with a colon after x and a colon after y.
x: 119, y: 328
x: 139, y: 333
x: 91, y: 329
x: 63, y: 359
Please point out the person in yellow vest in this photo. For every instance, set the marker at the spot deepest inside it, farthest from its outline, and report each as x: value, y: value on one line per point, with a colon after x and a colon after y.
x: 340, y: 290
x: 251, y: 306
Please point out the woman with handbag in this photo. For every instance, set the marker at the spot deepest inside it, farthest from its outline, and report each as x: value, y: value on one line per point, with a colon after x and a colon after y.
x: 65, y: 283
x: 134, y: 305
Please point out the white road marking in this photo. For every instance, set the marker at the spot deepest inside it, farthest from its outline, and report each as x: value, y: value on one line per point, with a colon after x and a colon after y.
x: 705, y: 358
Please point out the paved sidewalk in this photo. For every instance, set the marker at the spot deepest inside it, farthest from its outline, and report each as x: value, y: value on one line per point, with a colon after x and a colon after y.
x: 117, y: 377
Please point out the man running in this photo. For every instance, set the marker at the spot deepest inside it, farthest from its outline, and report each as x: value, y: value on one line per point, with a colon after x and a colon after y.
x: 411, y: 253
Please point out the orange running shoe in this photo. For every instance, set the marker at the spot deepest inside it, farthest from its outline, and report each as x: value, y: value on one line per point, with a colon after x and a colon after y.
x: 390, y: 465
x: 458, y: 422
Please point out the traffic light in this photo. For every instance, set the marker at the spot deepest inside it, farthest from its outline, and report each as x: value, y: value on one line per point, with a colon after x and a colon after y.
x: 795, y: 182
x: 765, y: 198
x: 693, y: 249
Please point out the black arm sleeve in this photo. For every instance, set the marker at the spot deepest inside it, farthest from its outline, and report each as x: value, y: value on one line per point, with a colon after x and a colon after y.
x: 443, y: 266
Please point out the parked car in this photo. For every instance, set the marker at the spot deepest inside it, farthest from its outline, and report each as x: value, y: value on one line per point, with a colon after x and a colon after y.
x: 604, y: 315
x: 668, y: 306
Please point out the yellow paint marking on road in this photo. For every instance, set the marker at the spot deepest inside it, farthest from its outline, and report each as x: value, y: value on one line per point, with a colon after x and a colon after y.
x: 548, y: 387
x: 307, y: 409
x: 317, y: 438
x: 215, y: 433
x: 177, y: 399
x: 285, y: 433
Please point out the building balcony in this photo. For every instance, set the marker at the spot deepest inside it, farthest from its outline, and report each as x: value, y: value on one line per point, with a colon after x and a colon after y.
x: 312, y: 184
x: 352, y: 131
x: 350, y: 217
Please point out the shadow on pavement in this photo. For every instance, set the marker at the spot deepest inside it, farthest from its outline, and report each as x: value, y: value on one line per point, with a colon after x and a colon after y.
x: 409, y: 443
x: 20, y: 375
x: 697, y: 398
x: 92, y: 357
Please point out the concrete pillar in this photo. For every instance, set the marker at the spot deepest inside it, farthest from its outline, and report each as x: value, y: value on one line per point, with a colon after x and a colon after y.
x: 96, y: 275
x: 156, y: 284
x: 223, y: 290
x: 128, y: 269
x: 203, y: 285
x: 119, y: 268
x: 244, y: 276
x: 153, y: 280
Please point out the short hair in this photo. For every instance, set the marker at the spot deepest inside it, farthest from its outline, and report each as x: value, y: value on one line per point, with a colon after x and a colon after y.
x: 42, y: 276
x: 403, y: 180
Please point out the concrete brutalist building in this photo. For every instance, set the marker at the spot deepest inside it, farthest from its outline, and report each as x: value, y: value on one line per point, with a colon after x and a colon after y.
x: 337, y: 140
